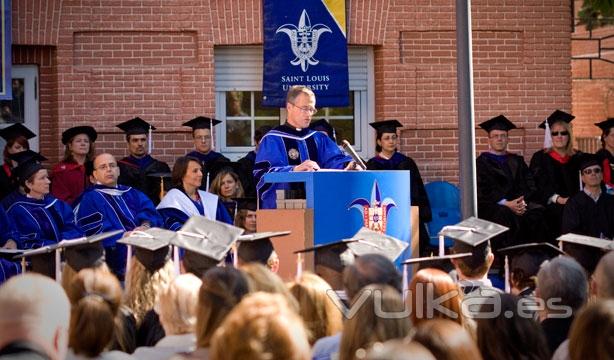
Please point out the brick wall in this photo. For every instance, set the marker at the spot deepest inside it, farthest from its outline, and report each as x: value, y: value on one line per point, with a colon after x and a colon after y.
x: 107, y: 61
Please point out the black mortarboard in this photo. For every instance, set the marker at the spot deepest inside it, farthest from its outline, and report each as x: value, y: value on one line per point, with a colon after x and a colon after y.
x: 386, y: 126
x: 323, y: 125
x: 472, y: 235
x: 29, y: 162
x: 588, y: 160
x: 68, y: 134
x: 437, y: 262
x: 85, y: 252
x: 587, y: 250
x: 136, y: 126
x: 42, y: 260
x: 526, y: 259
x: 201, y: 122
x: 246, y: 203
x: 16, y: 130
x: 206, y: 242
x: 257, y: 247
x: 556, y: 116
x: 606, y: 124
x: 499, y: 122
x: 151, y: 247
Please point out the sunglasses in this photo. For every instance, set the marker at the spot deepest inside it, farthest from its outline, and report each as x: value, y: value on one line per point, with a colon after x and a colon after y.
x: 559, y: 133
x: 591, y: 171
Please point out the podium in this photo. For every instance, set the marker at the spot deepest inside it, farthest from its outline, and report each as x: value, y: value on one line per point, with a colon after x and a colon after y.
x: 338, y: 204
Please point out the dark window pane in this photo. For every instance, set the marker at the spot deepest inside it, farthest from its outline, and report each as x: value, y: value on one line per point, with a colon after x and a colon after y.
x: 238, y: 103
x: 12, y: 111
x: 238, y: 133
x: 344, y: 130
x: 271, y: 123
x: 341, y: 111
x: 263, y: 111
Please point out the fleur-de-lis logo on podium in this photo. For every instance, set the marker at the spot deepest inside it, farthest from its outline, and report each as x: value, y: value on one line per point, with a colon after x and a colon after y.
x: 374, y: 212
x: 304, y: 40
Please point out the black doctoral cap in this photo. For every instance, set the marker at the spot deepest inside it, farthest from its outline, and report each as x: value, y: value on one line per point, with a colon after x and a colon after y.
x: 206, y: 243
x: 257, y: 247
x: 16, y: 130
x: 201, y: 122
x: 246, y: 203
x: 588, y: 160
x: 323, y: 125
x: 29, y: 162
x: 437, y: 262
x: 136, y: 126
x: 606, y: 124
x: 70, y: 133
x: 526, y: 259
x: 556, y: 116
x: 151, y: 247
x: 499, y: 122
x: 587, y: 250
x: 386, y: 126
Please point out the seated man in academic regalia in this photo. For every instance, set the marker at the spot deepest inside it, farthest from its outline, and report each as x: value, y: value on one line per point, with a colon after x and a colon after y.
x: 295, y: 147
x: 135, y: 169
x: 202, y: 133
x: 506, y: 188
x: 108, y: 206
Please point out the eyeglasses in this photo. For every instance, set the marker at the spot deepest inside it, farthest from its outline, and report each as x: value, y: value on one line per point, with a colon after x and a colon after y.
x: 307, y: 109
x: 203, y: 137
x: 105, y: 167
x: 591, y: 171
x: 560, y: 133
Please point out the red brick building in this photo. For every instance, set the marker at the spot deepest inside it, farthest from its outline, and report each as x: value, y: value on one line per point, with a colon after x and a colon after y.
x: 101, y: 62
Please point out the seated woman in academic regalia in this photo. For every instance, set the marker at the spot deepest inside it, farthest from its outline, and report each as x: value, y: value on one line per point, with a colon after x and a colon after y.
x: 388, y: 158
x: 556, y: 169
x: 16, y: 137
x: 40, y: 218
x: 227, y: 184
x: 186, y: 200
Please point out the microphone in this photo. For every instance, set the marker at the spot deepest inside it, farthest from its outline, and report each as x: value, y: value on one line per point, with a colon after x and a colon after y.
x: 348, y: 147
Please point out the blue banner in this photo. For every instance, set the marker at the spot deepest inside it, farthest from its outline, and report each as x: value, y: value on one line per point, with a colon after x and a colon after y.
x: 5, y: 85
x: 305, y: 43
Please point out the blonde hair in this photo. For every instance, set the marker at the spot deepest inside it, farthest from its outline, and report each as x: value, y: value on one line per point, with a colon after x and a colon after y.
x: 177, y: 305
x: 569, y: 150
x: 260, y: 278
x: 216, y: 184
x: 320, y: 312
x: 366, y: 328
x: 143, y: 287
x: 262, y: 326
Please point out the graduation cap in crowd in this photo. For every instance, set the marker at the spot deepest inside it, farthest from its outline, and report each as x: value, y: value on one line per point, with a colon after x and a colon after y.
x: 206, y: 243
x: 587, y: 250
x: 28, y: 163
x: 323, y: 125
x: 138, y: 126
x: 499, y: 122
x: 16, y: 130
x: 437, y: 262
x: 68, y: 134
x: 606, y: 124
x: 556, y: 116
x: 151, y: 247
x: 257, y: 247
x: 203, y: 122
x: 386, y: 126
x: 471, y: 235
x: 525, y: 260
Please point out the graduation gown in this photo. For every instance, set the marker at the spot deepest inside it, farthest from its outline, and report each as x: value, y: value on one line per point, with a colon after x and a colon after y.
x: 208, y: 161
x: 103, y: 208
x: 584, y: 216
x: 606, y: 159
x: 7, y: 185
x: 285, y: 147
x: 68, y: 180
x: 418, y: 194
x: 177, y: 207
x: 555, y: 175
x: 247, y: 163
x: 507, y: 177
x: 133, y: 173
x: 42, y: 222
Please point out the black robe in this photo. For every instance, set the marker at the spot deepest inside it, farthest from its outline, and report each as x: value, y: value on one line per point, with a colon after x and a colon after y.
x: 556, y: 331
x: 7, y: 185
x: 554, y: 177
x: 508, y: 177
x: 134, y: 173
x: 584, y: 216
x: 247, y: 163
x: 417, y: 191
x: 150, y: 331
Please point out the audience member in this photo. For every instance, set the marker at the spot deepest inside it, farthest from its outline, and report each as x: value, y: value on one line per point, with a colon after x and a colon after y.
x: 592, y: 332
x: 261, y: 279
x: 28, y: 329
x: 602, y: 282
x: 261, y: 327
x: 16, y: 137
x: 447, y: 340
x: 399, y: 350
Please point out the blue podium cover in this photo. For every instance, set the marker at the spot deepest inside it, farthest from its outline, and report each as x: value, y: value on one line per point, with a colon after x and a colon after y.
x: 345, y: 201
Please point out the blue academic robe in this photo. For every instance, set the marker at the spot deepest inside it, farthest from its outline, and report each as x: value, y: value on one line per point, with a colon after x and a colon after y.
x: 42, y: 222
x: 177, y: 207
x: 285, y: 147
x: 9, y: 232
x: 104, y: 208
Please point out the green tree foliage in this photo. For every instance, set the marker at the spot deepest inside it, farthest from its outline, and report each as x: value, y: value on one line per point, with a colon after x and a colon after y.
x: 596, y: 13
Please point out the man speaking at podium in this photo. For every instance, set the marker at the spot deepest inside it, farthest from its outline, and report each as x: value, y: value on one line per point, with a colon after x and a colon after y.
x: 294, y: 147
